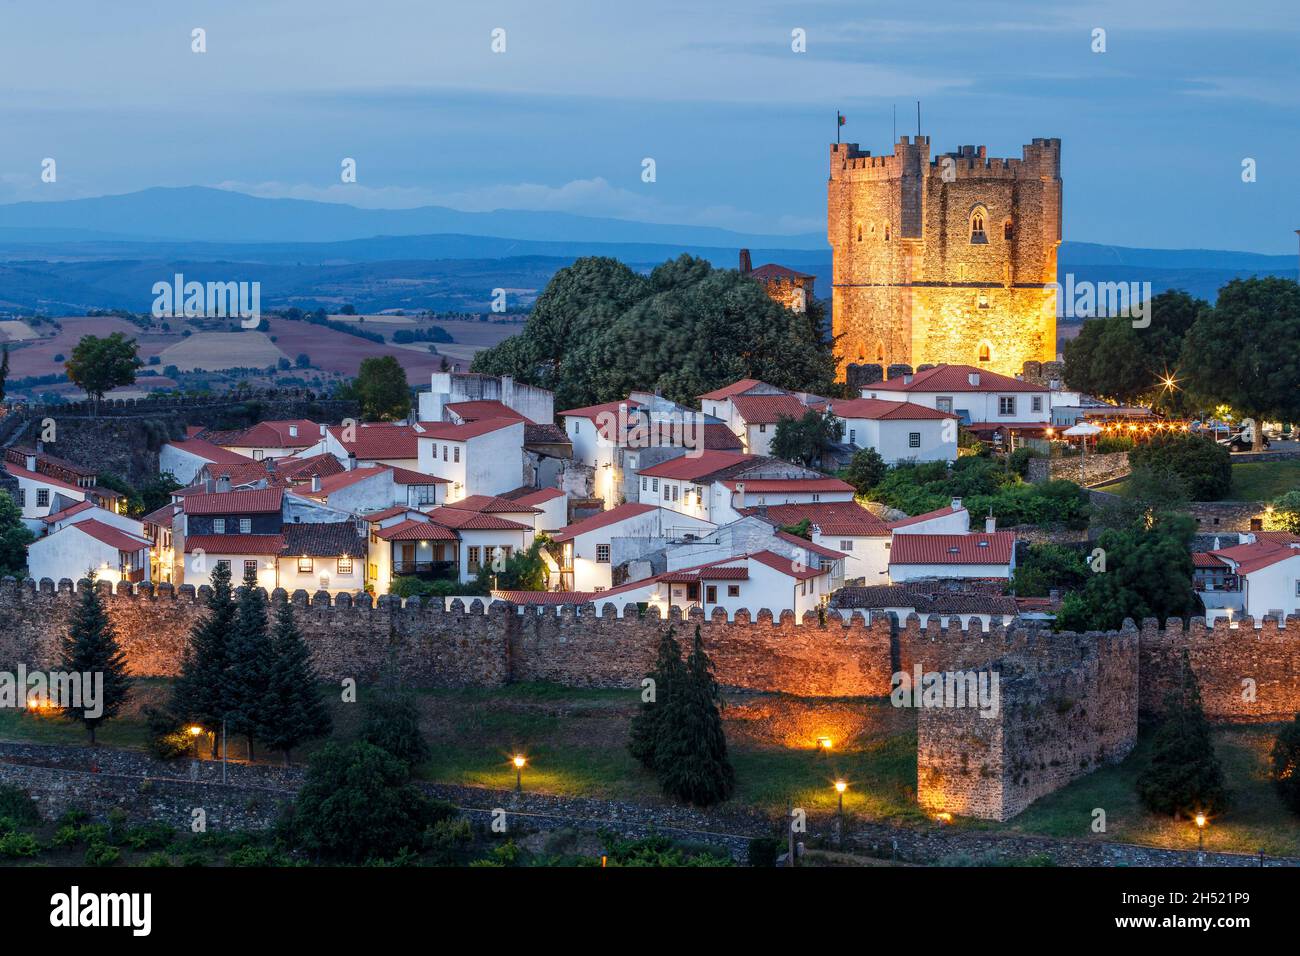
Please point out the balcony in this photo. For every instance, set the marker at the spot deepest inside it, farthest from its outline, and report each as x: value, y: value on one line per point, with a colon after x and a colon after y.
x: 430, y: 570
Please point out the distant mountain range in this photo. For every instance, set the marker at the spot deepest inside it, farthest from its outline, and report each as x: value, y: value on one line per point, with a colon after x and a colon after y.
x: 108, y: 251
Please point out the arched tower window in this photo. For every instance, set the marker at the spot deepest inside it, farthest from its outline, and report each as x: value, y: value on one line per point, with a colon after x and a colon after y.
x: 1008, y: 230
x: 880, y: 351
x: 985, y: 353
x: 886, y: 232
x: 978, y: 217
x: 859, y: 232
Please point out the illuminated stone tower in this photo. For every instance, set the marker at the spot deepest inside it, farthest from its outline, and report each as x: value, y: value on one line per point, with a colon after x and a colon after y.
x: 944, y: 260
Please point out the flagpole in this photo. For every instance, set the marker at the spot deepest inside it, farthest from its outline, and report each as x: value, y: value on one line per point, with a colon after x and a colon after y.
x: 837, y: 127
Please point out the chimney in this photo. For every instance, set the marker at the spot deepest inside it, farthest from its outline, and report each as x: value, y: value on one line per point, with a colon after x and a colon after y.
x: 1053, y: 594
x: 315, y: 482
x: 293, y: 431
x: 740, y: 495
x: 40, y: 447
x: 208, y: 485
x: 322, y: 431
x: 31, y: 462
x: 352, y: 461
x: 973, y: 378
x: 907, y: 378
x: 223, y: 483
x: 270, y: 465
x: 956, y: 504
x: 746, y: 265
x: 990, y: 524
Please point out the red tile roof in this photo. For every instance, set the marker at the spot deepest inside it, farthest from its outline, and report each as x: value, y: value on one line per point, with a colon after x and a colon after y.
x: 43, y: 479
x: 881, y: 409
x: 446, y: 431
x: 405, y: 476
x: 269, y: 435
x: 392, y: 512
x: 257, y: 501
x: 473, y: 521
x: 807, y: 545
x: 778, y: 485
x: 488, y: 408
x: 162, y: 517
x: 68, y: 512
x: 706, y: 573
x: 768, y: 409
x: 1261, y: 554
x: 593, y: 411
x: 113, y: 537
x: 719, y: 437
x: 1203, y: 559
x: 210, y: 452
x: 371, y: 442
x: 831, y: 517
x: 955, y: 378
x: 345, y: 479
x: 413, y: 529
x: 766, y: 273
x: 533, y: 497
x: 234, y: 543
x: 926, y: 516
x: 976, y: 548
x: 735, y: 388
x: 602, y: 519
x: 691, y: 467
x: 492, y: 504
x: 545, y: 598
x: 790, y: 567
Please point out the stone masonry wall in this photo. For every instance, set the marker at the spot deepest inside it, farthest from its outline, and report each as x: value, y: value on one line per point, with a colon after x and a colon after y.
x: 1054, y: 725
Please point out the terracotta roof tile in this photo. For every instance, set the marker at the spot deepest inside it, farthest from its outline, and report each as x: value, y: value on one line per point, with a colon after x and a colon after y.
x: 259, y: 501
x: 603, y: 519
x: 975, y: 548
x: 955, y: 378
x: 831, y: 517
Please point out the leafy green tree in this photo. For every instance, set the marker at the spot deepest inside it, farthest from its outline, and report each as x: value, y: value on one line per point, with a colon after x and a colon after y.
x: 599, y: 330
x: 1147, y: 573
x: 357, y: 803
x: 14, y: 538
x: 91, y: 648
x: 1283, y: 516
x: 1245, y: 351
x: 1048, y: 567
x: 4, y: 371
x: 1203, y: 466
x: 100, y: 365
x: 292, y: 711
x: 1284, y: 764
x: 391, y: 721
x: 1111, y: 358
x: 866, y: 470
x: 382, y: 389
x: 523, y: 571
x: 691, y: 750
x: 668, y: 675
x: 1184, y: 777
x: 198, y: 694
x: 248, y: 663
x: 805, y: 439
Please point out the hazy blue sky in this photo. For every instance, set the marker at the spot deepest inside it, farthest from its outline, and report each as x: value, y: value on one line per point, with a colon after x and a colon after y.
x: 1154, y: 130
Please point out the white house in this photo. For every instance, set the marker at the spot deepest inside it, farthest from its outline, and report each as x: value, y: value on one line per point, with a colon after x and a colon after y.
x: 586, y: 547
x: 917, y: 557
x: 40, y: 495
x: 898, y: 430
x: 462, y: 388
x: 183, y: 460
x: 1260, y: 576
x: 752, y: 409
x: 951, y: 519
x: 483, y: 538
x: 843, y: 526
x: 552, y: 506
x: 80, y: 546
x: 988, y: 404
x: 372, y: 443
x: 484, y: 457
x: 277, y: 439
x: 955, y: 608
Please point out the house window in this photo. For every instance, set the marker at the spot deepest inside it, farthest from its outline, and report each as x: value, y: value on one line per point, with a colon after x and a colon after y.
x: 224, y: 563
x: 711, y: 594
x: 304, y: 565
x: 1036, y: 403
x: 846, y: 545
x: 674, y: 492
x: 250, y: 566
x: 733, y: 590
x: 426, y: 494
x: 245, y: 525
x: 1008, y: 230
x: 645, y: 483
x: 472, y: 557
x: 374, y: 571
x: 982, y: 300
x: 816, y: 497
x: 602, y: 554
x: 944, y: 403
x: 455, y: 454
x: 258, y: 454
x: 218, y: 525
x: 666, y: 491
x: 576, y: 423
x: 859, y: 232
x: 1006, y: 405
x: 762, y: 429
x: 654, y: 484
x: 42, y: 497
x: 22, y: 497
x: 444, y: 452
x: 913, y: 439
x: 853, y: 436
x: 344, y: 564
x: 886, y: 232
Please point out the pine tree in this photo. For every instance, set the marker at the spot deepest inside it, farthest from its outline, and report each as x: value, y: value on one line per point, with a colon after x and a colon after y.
x: 91, y: 648
x: 391, y: 721
x: 668, y: 673
x: 691, y: 756
x: 249, y: 662
x: 1285, y: 760
x: 292, y: 710
x: 198, y: 696
x: 1184, y: 777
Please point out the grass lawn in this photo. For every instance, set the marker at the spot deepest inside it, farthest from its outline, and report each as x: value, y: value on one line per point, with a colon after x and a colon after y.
x: 1251, y: 481
x: 575, y: 741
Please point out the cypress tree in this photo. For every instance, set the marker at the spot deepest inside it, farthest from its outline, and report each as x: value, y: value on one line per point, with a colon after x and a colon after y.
x: 1184, y: 777
x: 691, y: 756
x: 198, y: 696
x: 91, y: 648
x: 248, y: 666
x: 292, y: 710
x: 668, y: 673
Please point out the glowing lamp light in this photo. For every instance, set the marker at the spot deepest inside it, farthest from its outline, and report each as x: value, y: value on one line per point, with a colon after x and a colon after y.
x: 519, y: 763
x: 840, y: 786
x: 824, y: 743
x: 195, y: 731
x: 519, y: 760
x: 944, y: 817
x: 1200, y: 819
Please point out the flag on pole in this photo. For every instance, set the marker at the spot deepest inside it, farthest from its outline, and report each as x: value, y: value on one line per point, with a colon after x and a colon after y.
x: 839, y: 121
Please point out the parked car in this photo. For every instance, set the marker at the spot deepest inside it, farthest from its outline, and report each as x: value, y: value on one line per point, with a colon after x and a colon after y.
x: 1241, y: 441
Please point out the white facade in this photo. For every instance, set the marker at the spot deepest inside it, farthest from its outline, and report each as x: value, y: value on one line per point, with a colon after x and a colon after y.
x: 900, y: 440
x: 71, y: 553
x: 489, y: 463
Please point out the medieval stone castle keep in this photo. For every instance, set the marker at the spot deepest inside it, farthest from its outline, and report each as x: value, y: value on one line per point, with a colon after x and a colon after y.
x: 946, y: 259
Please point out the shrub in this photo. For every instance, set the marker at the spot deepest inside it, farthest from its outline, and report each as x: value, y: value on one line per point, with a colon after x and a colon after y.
x: 448, y: 841
x: 101, y: 854
x: 17, y: 805
x: 159, y: 859
x: 391, y: 722
x: 150, y: 836
x: 1284, y: 765
x: 1204, y: 466
x: 763, y: 851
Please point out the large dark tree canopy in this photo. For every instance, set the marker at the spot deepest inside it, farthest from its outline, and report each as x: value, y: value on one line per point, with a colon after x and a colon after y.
x: 600, y: 330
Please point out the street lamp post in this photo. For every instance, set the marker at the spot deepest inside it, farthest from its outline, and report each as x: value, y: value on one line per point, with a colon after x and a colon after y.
x: 519, y: 761
x: 840, y: 787
x: 1200, y: 839
x: 194, y: 735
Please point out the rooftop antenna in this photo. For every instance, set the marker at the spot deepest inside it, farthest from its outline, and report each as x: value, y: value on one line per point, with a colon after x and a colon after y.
x: 918, y: 119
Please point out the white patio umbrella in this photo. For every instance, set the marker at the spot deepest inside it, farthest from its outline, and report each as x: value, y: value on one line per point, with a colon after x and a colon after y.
x: 1083, y: 430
